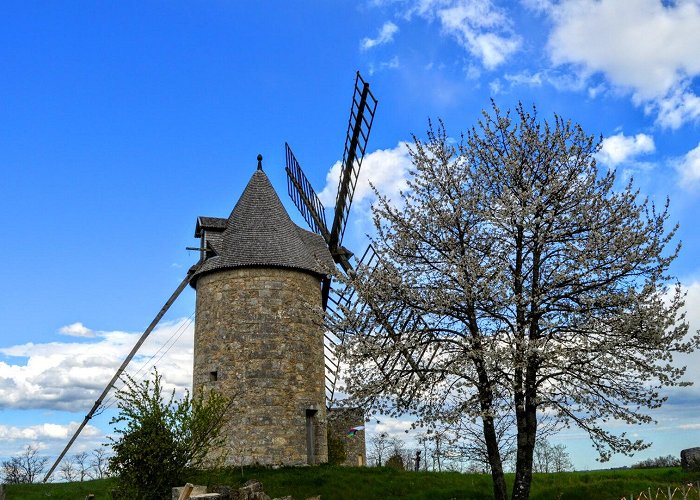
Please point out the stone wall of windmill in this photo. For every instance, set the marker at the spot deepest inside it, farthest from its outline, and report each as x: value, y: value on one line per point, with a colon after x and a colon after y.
x: 269, y: 363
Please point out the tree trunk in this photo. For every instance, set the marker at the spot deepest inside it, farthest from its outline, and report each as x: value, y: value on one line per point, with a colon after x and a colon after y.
x: 499, y: 481
x: 490, y: 437
x: 526, y: 414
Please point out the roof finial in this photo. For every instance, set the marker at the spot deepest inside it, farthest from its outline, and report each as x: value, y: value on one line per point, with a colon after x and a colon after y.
x: 259, y: 162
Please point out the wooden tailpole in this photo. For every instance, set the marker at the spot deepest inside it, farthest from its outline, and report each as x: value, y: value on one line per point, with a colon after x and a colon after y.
x: 126, y: 361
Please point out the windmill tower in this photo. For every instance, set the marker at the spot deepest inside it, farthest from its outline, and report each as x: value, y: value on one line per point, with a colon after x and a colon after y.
x: 258, y: 333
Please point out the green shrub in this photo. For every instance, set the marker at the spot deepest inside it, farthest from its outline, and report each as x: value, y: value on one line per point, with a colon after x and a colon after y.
x: 160, y: 437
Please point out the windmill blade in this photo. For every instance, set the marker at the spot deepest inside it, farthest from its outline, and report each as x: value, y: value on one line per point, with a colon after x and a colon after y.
x: 124, y: 364
x: 362, y: 112
x: 403, y: 331
x: 304, y: 196
x: 339, y: 298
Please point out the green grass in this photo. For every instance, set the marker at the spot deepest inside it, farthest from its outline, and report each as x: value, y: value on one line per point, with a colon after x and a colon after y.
x: 73, y: 491
x: 380, y: 483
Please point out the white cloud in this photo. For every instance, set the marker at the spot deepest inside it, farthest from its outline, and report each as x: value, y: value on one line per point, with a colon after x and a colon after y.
x: 70, y: 375
x: 525, y: 78
x: 42, y: 432
x: 495, y: 86
x: 385, y: 169
x: 689, y: 166
x: 676, y: 108
x: 691, y: 361
x: 641, y: 46
x: 392, y: 426
x: 688, y: 427
x: 619, y: 148
x: 392, y: 63
x: 480, y: 28
x: 386, y: 35
x: 477, y: 25
x: 76, y: 330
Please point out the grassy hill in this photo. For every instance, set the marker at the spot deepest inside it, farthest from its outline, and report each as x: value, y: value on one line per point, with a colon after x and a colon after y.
x: 382, y: 483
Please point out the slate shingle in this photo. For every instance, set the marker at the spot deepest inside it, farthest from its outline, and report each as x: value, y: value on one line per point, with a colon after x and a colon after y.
x: 259, y: 233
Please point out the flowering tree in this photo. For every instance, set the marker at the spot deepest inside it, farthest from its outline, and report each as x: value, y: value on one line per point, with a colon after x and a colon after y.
x: 543, y: 286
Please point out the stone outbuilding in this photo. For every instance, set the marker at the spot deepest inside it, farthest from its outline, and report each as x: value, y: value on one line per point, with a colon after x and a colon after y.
x: 258, y: 329
x: 346, y: 430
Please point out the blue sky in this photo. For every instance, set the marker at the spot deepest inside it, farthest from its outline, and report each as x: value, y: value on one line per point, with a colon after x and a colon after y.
x: 121, y: 122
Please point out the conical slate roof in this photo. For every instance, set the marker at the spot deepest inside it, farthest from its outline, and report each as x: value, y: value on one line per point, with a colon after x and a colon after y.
x: 259, y: 233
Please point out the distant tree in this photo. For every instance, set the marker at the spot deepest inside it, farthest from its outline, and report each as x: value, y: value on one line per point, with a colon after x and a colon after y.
x: 551, y: 458
x: 68, y: 470
x: 561, y: 461
x: 159, y: 437
x: 398, y: 448
x: 396, y: 461
x: 99, y: 463
x: 25, y: 467
x: 337, y: 451
x: 542, y: 282
x: 379, y: 446
x: 82, y: 465
x: 662, y: 461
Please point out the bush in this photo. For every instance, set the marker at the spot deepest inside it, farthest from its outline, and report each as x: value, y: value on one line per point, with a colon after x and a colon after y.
x: 160, y: 438
x: 395, y: 462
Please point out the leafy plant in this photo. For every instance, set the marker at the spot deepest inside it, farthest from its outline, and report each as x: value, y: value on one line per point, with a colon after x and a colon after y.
x: 159, y: 437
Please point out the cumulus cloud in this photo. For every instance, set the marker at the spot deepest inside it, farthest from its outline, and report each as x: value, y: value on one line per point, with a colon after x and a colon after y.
x: 689, y: 167
x: 49, y: 438
x: 385, y: 169
x: 392, y: 426
x: 76, y: 330
x: 71, y: 375
x: 392, y: 63
x: 645, y: 47
x: 478, y: 26
x: 619, y: 149
x: 42, y: 432
x: 385, y: 35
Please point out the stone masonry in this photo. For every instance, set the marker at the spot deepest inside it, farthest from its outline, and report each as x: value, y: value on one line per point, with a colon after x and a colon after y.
x: 258, y: 339
x: 340, y: 421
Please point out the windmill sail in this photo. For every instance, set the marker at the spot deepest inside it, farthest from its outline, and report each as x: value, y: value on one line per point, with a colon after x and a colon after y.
x: 408, y: 347
x: 362, y: 110
x: 387, y: 316
x: 304, y: 196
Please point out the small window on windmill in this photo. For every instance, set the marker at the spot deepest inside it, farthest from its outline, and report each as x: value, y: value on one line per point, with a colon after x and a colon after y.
x: 213, y: 376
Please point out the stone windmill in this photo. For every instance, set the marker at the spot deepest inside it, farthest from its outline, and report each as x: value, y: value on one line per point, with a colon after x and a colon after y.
x: 261, y: 284
x: 258, y: 331
x: 259, y: 334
